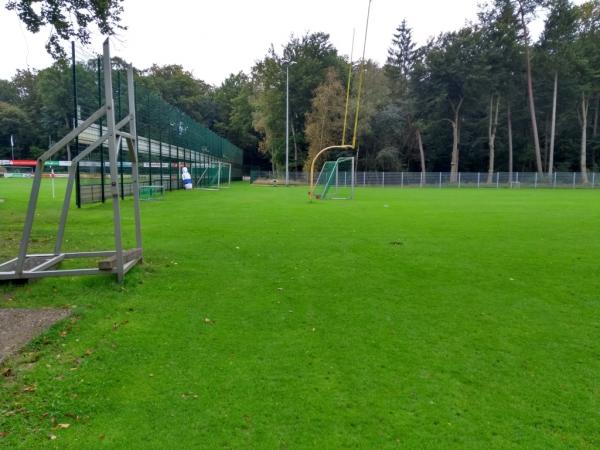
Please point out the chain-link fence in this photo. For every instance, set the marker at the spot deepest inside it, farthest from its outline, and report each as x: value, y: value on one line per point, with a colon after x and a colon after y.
x: 445, y: 179
x: 168, y: 139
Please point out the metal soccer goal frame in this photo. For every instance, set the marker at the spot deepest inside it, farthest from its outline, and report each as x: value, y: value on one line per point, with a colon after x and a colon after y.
x: 331, y: 180
x: 311, y: 192
x: 118, y: 261
x: 219, y: 181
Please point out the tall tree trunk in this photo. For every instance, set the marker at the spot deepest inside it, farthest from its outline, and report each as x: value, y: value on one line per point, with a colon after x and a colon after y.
x: 510, y: 142
x: 421, y: 154
x: 492, y: 127
x: 553, y: 126
x: 534, y: 127
x: 455, y: 140
x: 322, y: 132
x: 585, y: 102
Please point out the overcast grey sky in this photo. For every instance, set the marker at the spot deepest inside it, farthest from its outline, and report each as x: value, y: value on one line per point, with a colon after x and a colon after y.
x: 216, y: 38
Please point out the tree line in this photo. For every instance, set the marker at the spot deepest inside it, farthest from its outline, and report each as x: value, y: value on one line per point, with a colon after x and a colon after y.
x: 487, y: 97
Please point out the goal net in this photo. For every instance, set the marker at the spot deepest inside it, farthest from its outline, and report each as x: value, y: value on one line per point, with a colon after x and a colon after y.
x: 336, y: 180
x: 212, y: 176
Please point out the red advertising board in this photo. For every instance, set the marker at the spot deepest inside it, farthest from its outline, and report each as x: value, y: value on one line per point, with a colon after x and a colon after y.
x: 23, y: 162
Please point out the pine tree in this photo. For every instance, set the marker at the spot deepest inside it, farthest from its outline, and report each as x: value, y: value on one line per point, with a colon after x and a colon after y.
x: 401, y: 58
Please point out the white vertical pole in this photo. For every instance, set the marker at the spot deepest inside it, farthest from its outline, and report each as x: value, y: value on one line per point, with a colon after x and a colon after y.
x: 478, y: 179
x: 402, y: 180
x: 574, y: 175
x: 287, y: 123
x: 440, y: 180
x: 382, y: 179
x: 53, y: 191
x: 536, y: 180
x: 352, y: 179
x: 497, y: 180
x: 459, y: 180
x: 364, y: 179
x: 554, y: 183
x: 593, y: 179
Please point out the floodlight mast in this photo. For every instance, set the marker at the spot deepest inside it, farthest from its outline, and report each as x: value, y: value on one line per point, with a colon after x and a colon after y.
x: 288, y: 63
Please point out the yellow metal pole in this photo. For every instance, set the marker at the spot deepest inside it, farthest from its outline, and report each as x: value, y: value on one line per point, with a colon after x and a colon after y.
x: 362, y: 76
x: 348, y: 90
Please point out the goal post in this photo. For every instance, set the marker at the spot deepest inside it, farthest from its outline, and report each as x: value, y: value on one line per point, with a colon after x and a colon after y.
x: 119, y: 260
x: 224, y: 175
x: 212, y: 176
x: 336, y: 180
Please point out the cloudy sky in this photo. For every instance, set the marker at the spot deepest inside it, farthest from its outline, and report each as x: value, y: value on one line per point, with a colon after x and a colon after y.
x: 216, y: 38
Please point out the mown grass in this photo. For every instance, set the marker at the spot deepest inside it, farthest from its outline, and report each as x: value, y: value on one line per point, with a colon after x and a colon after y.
x: 402, y: 319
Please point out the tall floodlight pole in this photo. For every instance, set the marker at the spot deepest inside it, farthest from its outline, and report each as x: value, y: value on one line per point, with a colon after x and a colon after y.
x: 287, y: 123
x: 287, y: 63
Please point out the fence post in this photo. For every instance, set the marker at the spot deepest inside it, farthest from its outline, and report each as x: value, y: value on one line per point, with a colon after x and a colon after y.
x: 535, y: 182
x: 440, y: 180
x: 170, y: 165
x: 364, y: 179
x: 478, y: 179
x: 160, y: 159
x: 75, y: 125
x: 593, y: 179
x: 149, y: 160
x: 459, y: 180
x: 574, y: 177
x: 401, y: 180
x: 382, y: 179
x: 103, y: 196
x: 497, y: 180
x: 554, y: 182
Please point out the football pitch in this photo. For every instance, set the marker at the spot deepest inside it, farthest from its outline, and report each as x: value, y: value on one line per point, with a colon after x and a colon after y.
x: 406, y: 318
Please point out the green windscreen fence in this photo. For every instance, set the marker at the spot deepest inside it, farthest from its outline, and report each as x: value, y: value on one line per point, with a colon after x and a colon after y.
x: 168, y: 139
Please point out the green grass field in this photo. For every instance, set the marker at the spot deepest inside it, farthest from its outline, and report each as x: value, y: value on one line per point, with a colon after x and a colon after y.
x: 403, y: 319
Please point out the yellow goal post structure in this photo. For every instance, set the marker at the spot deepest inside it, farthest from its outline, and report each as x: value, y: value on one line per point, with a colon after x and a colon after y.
x: 344, y: 146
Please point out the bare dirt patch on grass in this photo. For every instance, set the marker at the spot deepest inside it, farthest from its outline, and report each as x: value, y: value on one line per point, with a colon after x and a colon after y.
x: 18, y: 326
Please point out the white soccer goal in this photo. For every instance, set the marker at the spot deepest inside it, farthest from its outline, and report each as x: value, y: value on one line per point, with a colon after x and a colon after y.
x: 213, y: 176
x: 336, y: 180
